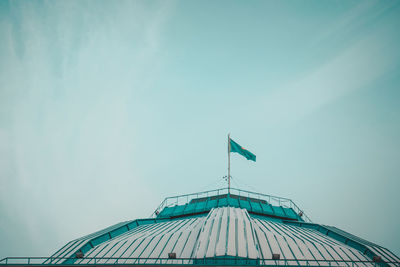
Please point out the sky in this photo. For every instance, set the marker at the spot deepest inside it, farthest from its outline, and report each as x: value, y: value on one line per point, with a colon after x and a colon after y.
x: 108, y: 107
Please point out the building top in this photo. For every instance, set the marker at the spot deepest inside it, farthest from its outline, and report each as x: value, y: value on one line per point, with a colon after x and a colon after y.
x: 220, y: 228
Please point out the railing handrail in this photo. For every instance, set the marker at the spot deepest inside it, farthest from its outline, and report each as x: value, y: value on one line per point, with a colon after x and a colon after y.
x: 183, y: 261
x: 226, y: 189
x: 220, y: 191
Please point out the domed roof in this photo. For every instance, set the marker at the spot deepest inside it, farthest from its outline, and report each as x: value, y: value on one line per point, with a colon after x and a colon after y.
x: 220, y: 227
x: 223, y: 227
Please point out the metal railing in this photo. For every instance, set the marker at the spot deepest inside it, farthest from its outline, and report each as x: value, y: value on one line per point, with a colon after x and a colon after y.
x: 273, y: 200
x: 188, y: 261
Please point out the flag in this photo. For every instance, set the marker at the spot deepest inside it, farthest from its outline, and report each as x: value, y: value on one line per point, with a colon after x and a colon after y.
x: 235, y: 147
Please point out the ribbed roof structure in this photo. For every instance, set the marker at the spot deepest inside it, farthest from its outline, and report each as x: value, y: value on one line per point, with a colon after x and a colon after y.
x: 221, y: 228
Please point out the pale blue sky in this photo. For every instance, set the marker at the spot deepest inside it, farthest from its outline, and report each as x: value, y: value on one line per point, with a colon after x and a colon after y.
x: 108, y: 107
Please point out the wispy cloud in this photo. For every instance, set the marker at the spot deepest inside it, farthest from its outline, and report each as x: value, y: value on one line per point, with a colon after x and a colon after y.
x: 71, y: 76
x: 352, y: 23
x: 358, y: 66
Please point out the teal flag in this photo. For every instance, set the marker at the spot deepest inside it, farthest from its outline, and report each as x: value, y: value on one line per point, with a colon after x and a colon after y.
x: 235, y: 147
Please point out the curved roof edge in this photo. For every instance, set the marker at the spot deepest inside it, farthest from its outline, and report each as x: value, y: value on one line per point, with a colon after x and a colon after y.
x: 367, y: 248
x: 88, y: 242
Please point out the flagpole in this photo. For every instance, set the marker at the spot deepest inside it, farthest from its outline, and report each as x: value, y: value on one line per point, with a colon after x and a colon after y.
x: 229, y: 164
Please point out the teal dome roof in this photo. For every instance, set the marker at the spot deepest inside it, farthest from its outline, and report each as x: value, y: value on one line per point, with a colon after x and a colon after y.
x: 223, y: 227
